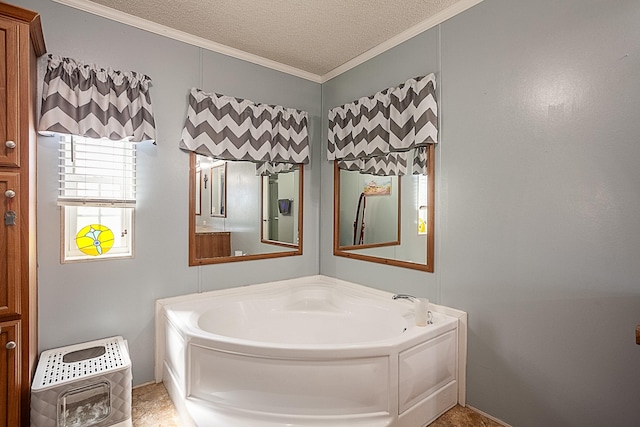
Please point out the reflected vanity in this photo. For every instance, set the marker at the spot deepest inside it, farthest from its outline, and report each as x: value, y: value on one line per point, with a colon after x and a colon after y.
x: 385, y: 219
x: 235, y: 215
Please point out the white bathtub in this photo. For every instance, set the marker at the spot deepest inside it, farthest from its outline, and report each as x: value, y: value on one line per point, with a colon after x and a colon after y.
x: 313, y: 351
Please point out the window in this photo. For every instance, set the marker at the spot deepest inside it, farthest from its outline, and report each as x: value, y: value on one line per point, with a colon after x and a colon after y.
x: 422, y: 202
x: 97, y: 196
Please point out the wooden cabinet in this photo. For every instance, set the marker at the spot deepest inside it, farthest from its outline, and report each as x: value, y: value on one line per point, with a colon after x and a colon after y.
x: 9, y: 373
x: 9, y: 248
x: 9, y: 91
x: 213, y: 245
x: 21, y: 42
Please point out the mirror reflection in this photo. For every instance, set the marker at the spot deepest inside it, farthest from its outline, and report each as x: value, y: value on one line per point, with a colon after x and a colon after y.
x: 369, y: 210
x: 229, y: 226
x: 385, y: 219
x: 218, y: 193
x: 198, y: 196
x: 279, y: 215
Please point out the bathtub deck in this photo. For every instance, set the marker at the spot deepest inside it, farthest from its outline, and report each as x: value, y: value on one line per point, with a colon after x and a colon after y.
x: 153, y: 408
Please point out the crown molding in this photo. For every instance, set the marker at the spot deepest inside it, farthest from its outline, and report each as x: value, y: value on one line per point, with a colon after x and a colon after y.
x: 162, y: 30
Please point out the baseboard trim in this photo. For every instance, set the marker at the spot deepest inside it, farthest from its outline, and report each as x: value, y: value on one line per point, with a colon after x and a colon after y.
x: 143, y: 384
x: 492, y: 418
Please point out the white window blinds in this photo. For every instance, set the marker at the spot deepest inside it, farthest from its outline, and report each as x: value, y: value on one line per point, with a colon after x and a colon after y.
x: 96, y: 172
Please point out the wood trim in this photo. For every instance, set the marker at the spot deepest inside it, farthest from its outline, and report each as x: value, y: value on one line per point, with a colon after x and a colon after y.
x: 300, y: 207
x: 431, y: 206
x: 37, y: 37
x: 428, y: 266
x: 386, y: 261
x: 192, y: 209
x: 336, y: 210
x: 399, y: 231
x: 277, y: 243
x: 32, y: 19
x: 262, y: 240
x: 221, y: 260
x: 369, y: 246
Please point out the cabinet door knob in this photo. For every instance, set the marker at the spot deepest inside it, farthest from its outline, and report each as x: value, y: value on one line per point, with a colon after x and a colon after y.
x: 10, y: 194
x: 10, y: 144
x: 11, y: 345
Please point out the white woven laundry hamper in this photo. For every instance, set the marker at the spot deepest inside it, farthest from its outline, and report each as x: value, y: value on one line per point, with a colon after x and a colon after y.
x: 83, y: 385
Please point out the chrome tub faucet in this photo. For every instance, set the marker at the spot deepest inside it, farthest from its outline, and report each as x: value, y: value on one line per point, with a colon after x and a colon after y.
x: 404, y: 296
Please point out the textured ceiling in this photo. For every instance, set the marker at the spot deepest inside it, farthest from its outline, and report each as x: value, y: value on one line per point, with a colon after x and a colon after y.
x: 315, y: 36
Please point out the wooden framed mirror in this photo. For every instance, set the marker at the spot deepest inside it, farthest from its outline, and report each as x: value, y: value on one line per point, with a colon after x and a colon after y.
x: 235, y: 234
x: 396, y: 231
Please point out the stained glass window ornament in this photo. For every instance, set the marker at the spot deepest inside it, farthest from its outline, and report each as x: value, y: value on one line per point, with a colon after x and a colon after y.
x: 95, y: 239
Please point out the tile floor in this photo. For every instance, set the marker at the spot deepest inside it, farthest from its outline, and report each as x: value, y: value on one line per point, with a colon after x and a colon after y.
x: 153, y: 408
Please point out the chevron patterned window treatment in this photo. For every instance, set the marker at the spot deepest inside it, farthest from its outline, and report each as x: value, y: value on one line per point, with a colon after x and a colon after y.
x: 86, y: 100
x: 387, y: 133
x: 274, y: 137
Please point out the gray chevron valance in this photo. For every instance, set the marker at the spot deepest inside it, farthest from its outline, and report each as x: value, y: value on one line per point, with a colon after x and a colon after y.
x: 386, y: 133
x: 86, y: 100
x: 229, y: 128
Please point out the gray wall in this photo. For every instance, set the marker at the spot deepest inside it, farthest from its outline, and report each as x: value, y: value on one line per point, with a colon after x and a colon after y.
x: 537, y: 204
x: 415, y: 57
x: 90, y: 300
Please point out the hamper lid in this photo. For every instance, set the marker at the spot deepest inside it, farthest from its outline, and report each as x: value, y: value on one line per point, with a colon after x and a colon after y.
x: 80, y: 361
